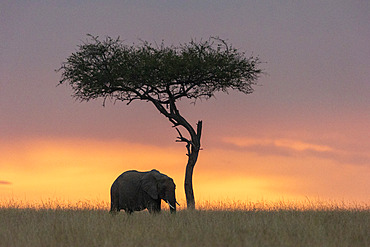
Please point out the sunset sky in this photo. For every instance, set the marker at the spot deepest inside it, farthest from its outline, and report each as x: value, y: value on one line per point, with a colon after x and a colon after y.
x: 304, y: 132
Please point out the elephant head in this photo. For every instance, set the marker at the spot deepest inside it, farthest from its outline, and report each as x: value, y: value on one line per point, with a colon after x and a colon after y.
x: 160, y: 186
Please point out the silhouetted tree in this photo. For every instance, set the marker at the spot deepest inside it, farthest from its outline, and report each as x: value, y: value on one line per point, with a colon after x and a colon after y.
x: 161, y: 75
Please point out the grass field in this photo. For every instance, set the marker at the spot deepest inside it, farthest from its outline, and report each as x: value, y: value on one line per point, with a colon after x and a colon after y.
x: 213, y: 224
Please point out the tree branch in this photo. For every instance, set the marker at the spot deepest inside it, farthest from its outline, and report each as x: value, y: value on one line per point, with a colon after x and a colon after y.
x: 199, y: 129
x: 181, y: 138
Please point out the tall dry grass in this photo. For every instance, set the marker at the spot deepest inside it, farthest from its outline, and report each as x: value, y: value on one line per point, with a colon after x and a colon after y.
x: 213, y: 224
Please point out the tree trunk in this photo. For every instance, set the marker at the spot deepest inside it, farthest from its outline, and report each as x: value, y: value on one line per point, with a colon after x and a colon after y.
x: 193, y: 152
x: 189, y: 193
x: 192, y: 145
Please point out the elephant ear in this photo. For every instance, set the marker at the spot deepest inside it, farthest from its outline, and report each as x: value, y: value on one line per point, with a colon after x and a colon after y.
x: 149, y: 185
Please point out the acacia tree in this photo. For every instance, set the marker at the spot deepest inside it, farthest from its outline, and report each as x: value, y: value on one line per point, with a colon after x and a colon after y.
x: 161, y: 75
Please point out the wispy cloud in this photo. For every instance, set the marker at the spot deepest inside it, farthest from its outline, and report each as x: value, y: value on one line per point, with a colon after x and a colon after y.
x: 289, y: 147
x: 279, y: 143
x: 3, y: 182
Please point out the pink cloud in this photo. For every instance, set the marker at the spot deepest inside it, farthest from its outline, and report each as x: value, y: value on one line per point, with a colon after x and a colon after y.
x: 287, y: 147
x: 3, y: 182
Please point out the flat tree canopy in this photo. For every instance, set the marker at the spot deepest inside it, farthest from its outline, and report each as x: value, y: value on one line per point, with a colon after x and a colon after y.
x: 161, y: 75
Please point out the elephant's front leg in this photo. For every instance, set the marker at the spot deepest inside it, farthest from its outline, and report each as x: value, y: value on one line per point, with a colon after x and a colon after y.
x: 154, y: 206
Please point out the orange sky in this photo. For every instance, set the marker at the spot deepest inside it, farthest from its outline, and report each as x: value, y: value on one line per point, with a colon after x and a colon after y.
x: 74, y: 170
x: 304, y: 132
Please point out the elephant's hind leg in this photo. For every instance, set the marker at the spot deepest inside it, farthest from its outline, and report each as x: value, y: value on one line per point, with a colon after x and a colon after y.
x: 114, y: 209
x: 114, y: 205
x: 129, y: 211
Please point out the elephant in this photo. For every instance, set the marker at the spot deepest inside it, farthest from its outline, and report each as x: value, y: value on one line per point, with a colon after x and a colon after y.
x: 136, y: 191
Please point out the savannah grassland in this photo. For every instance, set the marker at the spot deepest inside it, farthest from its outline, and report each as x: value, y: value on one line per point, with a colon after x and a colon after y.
x: 212, y: 224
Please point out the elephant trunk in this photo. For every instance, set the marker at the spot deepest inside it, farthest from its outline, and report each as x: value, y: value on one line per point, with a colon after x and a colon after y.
x: 170, y: 198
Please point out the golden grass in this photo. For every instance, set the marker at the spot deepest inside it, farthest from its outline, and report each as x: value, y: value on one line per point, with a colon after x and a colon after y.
x: 56, y: 204
x: 265, y: 205
x: 88, y: 223
x: 222, y: 205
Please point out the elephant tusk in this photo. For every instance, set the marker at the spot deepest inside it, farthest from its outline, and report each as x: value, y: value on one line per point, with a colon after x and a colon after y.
x: 170, y: 205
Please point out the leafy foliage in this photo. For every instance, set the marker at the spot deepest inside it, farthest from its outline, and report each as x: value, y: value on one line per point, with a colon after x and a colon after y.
x: 195, y: 70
